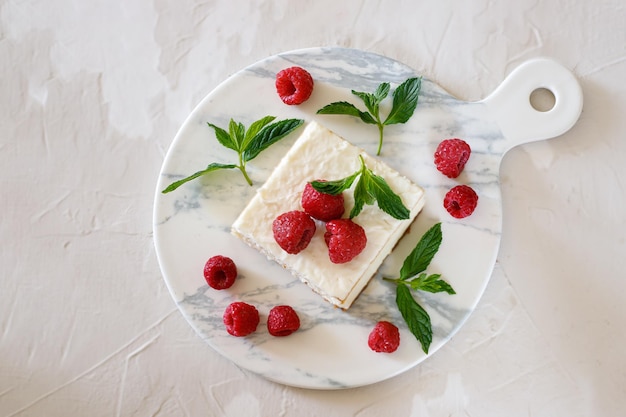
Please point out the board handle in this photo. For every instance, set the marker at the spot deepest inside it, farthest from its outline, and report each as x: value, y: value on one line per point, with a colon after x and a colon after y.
x: 510, y: 104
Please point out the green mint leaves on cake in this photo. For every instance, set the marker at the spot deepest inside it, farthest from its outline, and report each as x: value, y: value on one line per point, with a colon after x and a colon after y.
x: 370, y: 188
x: 248, y: 143
x: 413, y: 277
x: 405, y: 99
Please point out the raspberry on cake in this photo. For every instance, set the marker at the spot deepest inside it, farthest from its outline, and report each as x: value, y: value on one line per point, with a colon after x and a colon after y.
x: 320, y: 206
x: 320, y: 153
x: 293, y: 231
x: 345, y: 239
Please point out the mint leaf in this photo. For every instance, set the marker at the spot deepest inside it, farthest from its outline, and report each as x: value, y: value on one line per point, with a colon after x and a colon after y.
x: 372, y: 101
x: 404, y: 104
x: 362, y: 196
x: 224, y: 138
x: 237, y: 133
x: 416, y: 318
x: 247, y: 143
x: 255, y: 128
x: 381, y: 92
x: 369, y: 188
x: 269, y: 135
x: 420, y: 257
x: 430, y: 283
x: 404, y: 101
x: 336, y: 186
x: 345, y: 108
x: 369, y: 100
x: 388, y: 201
x: 209, y: 168
x: 433, y: 284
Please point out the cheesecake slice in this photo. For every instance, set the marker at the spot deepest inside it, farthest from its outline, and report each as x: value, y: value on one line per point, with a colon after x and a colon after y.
x: 321, y: 154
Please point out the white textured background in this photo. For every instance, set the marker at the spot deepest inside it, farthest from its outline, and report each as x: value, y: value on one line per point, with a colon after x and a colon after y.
x: 92, y: 93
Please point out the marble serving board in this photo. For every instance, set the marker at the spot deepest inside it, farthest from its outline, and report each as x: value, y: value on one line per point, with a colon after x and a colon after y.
x: 330, y: 350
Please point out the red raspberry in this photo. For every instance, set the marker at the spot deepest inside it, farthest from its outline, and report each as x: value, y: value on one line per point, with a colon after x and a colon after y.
x: 345, y: 240
x: 294, y: 85
x: 293, y: 231
x: 241, y: 318
x: 460, y: 201
x: 384, y: 337
x: 220, y: 272
x: 451, y: 156
x: 321, y: 206
x: 282, y: 321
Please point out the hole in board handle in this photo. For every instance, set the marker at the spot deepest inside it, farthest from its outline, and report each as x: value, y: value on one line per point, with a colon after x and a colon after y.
x: 542, y: 99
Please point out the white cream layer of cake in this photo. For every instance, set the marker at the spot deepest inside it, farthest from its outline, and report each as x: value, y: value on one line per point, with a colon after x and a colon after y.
x: 321, y: 154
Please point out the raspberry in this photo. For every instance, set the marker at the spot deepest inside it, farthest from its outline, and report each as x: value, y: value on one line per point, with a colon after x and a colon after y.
x: 451, y: 156
x: 321, y: 206
x: 220, y: 272
x: 294, y: 85
x: 282, y: 321
x: 460, y: 201
x: 384, y: 337
x: 293, y: 231
x: 345, y: 240
x: 241, y: 318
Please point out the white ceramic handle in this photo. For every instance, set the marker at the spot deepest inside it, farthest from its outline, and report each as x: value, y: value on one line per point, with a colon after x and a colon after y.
x: 519, y: 121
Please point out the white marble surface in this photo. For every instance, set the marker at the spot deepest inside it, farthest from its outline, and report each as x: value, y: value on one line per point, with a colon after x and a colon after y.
x: 92, y: 96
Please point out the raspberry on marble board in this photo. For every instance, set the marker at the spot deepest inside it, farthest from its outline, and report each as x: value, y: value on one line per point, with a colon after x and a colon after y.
x: 220, y: 272
x: 282, y: 321
x: 384, y: 337
x: 294, y: 85
x: 460, y: 201
x: 241, y: 319
x: 451, y: 156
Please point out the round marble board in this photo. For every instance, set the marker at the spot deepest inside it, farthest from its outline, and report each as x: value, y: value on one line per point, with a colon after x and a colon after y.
x: 330, y: 350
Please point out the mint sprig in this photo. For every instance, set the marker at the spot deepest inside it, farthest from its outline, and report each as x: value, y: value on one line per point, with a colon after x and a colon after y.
x: 369, y: 189
x: 413, y: 277
x: 405, y: 99
x: 248, y: 143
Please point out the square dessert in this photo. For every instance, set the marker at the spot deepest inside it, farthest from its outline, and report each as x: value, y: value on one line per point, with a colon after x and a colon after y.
x: 320, y: 154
